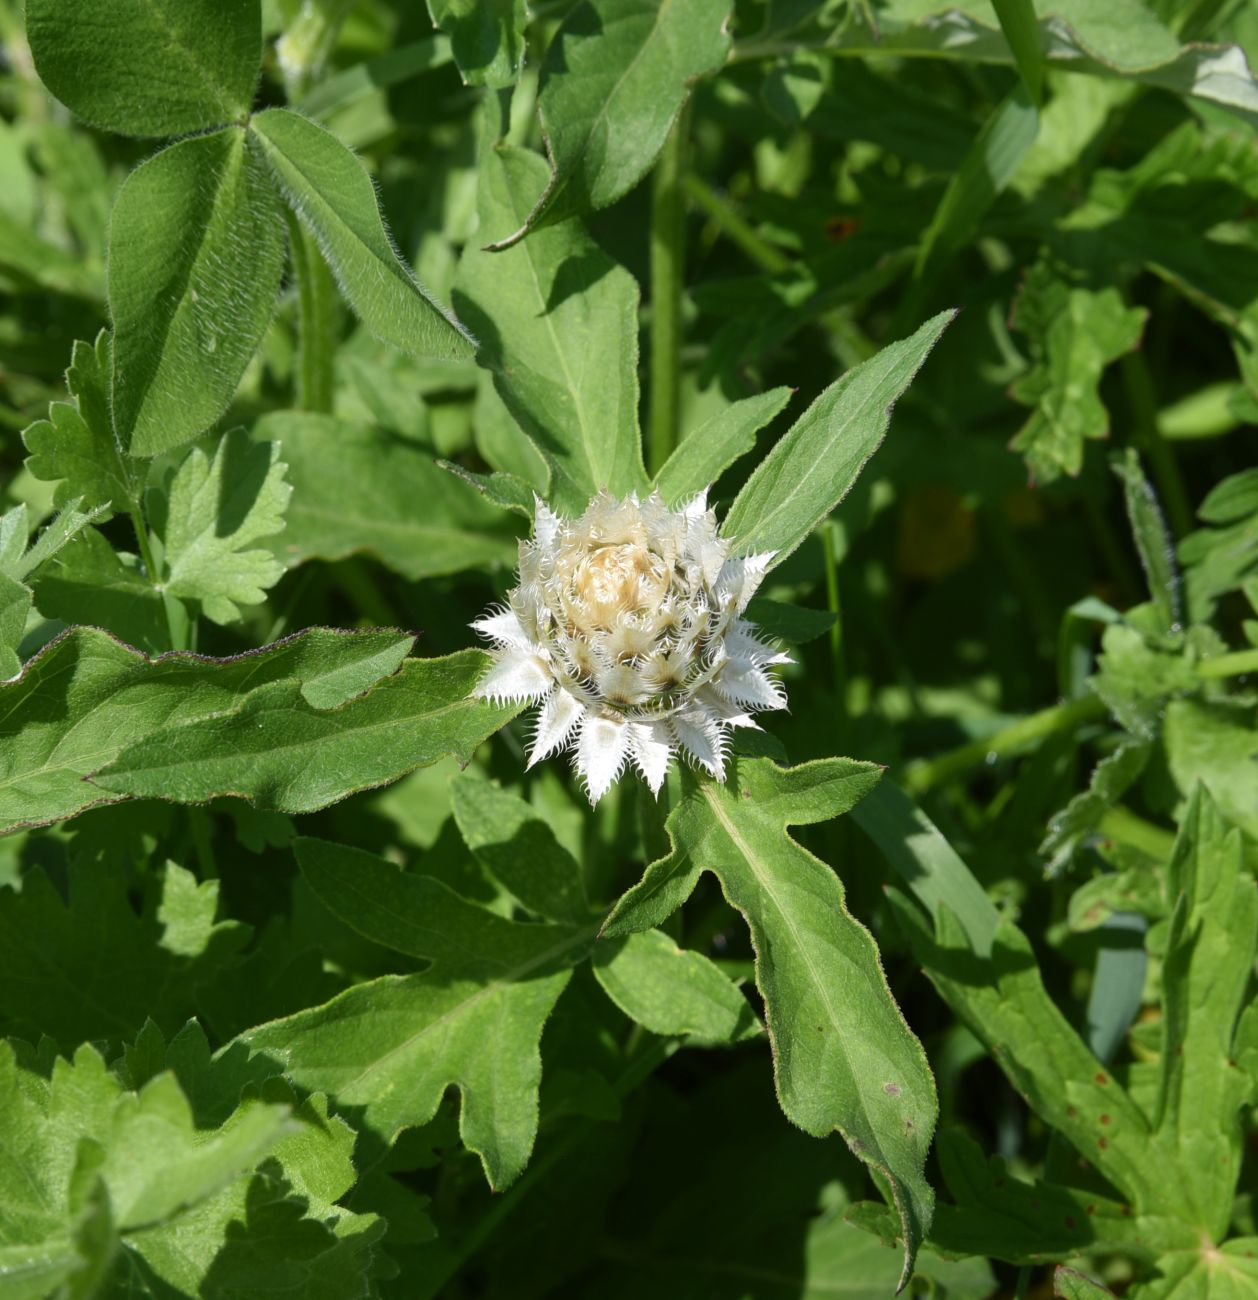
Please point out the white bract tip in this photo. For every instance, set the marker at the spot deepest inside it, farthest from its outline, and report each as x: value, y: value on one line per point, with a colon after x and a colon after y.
x: 627, y: 626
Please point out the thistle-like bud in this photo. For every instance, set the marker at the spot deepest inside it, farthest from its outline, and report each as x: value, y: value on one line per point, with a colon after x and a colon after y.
x: 627, y: 625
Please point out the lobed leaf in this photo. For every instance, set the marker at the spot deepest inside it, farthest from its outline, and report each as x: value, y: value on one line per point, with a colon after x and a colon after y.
x: 281, y: 752
x: 388, y: 1049
x: 148, y: 67
x: 845, y: 1060
x: 76, y: 443
x: 332, y: 195
x: 85, y: 697
x: 816, y: 462
x: 195, y: 259
x: 557, y: 320
x: 616, y: 76
x: 213, y: 508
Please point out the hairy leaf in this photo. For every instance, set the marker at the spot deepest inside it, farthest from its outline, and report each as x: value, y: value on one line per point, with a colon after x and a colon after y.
x: 615, y: 78
x: 213, y: 509
x: 845, y: 1058
x: 149, y: 67
x: 557, y: 320
x: 195, y: 257
x: 86, y: 696
x: 360, y: 489
x: 1074, y: 333
x: 331, y: 192
x: 389, y: 1048
x: 815, y: 464
x: 280, y: 752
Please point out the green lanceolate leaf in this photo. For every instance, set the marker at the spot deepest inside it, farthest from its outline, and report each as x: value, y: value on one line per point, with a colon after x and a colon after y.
x: 811, y: 469
x: 514, y: 843
x: 54, y: 950
x: 195, y: 257
x: 672, y: 991
x: 86, y: 696
x: 360, y: 489
x: 557, y: 320
x: 332, y: 194
x: 76, y: 443
x: 1208, y: 964
x: 392, y: 1046
x: 1021, y: 27
x: 845, y: 1058
x: 705, y: 453
x: 282, y: 753
x: 212, y: 510
x: 1074, y: 334
x: 149, y: 67
x: 486, y: 37
x: 616, y: 75
x: 1153, y: 540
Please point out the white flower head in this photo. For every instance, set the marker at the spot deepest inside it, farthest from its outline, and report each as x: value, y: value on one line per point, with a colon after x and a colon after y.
x: 627, y: 627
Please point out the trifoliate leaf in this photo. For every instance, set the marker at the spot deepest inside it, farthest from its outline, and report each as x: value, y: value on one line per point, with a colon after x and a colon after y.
x: 846, y: 1060
x: 1073, y: 333
x: 390, y: 1047
x: 76, y: 443
x: 85, y: 696
x: 214, y: 508
x: 89, y: 967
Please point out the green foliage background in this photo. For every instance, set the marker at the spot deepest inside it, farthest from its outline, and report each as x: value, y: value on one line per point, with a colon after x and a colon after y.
x: 307, y: 987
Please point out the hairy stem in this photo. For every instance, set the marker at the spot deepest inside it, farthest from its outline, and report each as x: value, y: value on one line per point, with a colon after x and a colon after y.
x: 1144, y: 410
x: 668, y: 273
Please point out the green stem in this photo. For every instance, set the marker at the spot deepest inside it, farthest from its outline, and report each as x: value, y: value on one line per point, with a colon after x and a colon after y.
x: 668, y: 274
x: 203, y: 842
x: 837, y: 658
x: 1236, y: 664
x: 1120, y: 823
x: 1144, y: 410
x: 178, y: 628
x: 316, y: 319
x: 730, y: 223
x: 924, y: 774
x: 927, y: 773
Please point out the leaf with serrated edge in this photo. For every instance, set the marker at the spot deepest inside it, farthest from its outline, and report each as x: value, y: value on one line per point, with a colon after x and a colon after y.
x: 615, y: 77
x: 86, y: 696
x: 818, y: 459
x: 280, y: 753
x: 214, y: 508
x: 389, y: 1048
x: 332, y: 194
x: 76, y: 443
x: 558, y: 322
x: 844, y: 1058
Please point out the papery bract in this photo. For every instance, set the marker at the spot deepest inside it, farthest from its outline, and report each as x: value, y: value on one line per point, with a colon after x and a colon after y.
x: 627, y: 627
